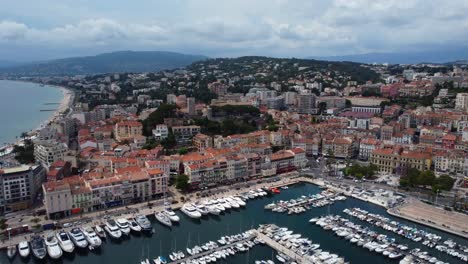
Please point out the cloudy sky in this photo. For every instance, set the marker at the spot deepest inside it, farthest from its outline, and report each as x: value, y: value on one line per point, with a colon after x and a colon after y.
x: 45, y: 29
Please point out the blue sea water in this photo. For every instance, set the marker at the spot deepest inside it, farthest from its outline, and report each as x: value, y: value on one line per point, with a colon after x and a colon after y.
x: 20, y: 105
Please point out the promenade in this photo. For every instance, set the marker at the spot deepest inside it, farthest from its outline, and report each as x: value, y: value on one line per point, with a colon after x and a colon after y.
x: 435, y: 217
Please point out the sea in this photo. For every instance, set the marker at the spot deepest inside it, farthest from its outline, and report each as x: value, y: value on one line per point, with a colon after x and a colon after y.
x: 192, y: 232
x: 20, y: 105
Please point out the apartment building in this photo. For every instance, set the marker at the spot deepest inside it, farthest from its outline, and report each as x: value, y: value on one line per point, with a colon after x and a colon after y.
x: 127, y: 130
x: 47, y: 152
x: 184, y: 134
x: 160, y: 132
x: 19, y: 186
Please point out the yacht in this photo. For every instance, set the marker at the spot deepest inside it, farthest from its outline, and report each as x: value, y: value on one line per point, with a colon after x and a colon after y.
x: 99, y: 231
x: 23, y: 248
x: 91, y: 236
x: 134, y: 226
x: 52, y: 246
x: 38, y: 247
x: 65, y: 242
x: 213, y: 209
x: 160, y: 260
x: 112, y: 228
x: 122, y: 223
x: 232, y: 202
x: 225, y: 203
x: 163, y: 218
x: 190, y: 211
x: 172, y: 215
x: 239, y: 201
x: 202, y: 209
x: 11, y: 251
x: 143, y: 222
x: 78, y: 238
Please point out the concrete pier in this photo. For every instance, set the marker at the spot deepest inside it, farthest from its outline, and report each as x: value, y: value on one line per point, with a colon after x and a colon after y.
x: 211, y: 251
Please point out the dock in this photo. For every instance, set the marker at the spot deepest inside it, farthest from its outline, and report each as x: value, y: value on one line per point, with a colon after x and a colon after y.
x: 211, y: 251
x: 282, y: 249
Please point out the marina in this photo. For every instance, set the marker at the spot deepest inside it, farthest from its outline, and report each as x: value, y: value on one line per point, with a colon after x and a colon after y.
x: 191, y: 231
x: 304, y: 203
x: 425, y: 238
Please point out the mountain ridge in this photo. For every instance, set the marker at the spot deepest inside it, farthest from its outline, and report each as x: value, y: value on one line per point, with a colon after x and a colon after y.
x: 117, y: 61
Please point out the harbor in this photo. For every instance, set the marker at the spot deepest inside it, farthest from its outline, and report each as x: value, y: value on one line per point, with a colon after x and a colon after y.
x: 197, y: 231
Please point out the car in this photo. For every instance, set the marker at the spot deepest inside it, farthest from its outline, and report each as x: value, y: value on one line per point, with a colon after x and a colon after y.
x: 67, y: 225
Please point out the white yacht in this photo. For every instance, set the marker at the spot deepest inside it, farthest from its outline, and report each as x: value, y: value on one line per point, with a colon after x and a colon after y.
x: 143, y: 222
x: 122, y: 223
x: 224, y: 203
x: 100, y: 232
x: 112, y: 228
x: 134, y: 226
x: 213, y: 209
x: 172, y: 215
x: 23, y: 248
x: 93, y: 239
x: 239, y: 200
x: 190, y: 211
x: 163, y: 218
x: 78, y: 238
x: 65, y: 242
x: 202, y: 209
x: 38, y: 247
x: 232, y: 202
x: 217, y: 205
x: 52, y: 247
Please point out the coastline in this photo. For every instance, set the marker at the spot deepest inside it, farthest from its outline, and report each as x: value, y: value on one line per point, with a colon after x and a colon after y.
x: 65, y: 103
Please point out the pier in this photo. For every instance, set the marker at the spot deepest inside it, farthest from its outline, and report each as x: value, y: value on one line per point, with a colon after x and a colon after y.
x: 280, y: 248
x: 211, y: 251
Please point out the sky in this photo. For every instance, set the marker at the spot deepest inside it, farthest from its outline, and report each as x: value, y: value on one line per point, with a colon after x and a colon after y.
x: 48, y: 29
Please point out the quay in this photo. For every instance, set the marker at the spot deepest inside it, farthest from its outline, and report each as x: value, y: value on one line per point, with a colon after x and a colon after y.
x: 280, y: 248
x: 211, y: 251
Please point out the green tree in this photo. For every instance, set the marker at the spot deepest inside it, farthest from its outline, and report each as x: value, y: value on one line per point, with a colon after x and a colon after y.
x: 157, y: 117
x: 183, y: 151
x: 24, y: 154
x: 348, y: 103
x: 182, y: 182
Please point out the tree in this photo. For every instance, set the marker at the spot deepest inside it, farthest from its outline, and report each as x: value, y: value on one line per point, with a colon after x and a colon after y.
x: 348, y: 103
x: 444, y: 182
x: 24, y: 134
x: 183, y: 151
x: 24, y: 154
x: 182, y: 182
x: 157, y: 117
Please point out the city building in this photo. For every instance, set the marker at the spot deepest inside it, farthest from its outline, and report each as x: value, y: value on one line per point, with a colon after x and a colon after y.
x: 160, y: 132
x: 191, y: 106
x: 46, y: 152
x: 127, y: 130
x: 306, y: 103
x: 19, y: 187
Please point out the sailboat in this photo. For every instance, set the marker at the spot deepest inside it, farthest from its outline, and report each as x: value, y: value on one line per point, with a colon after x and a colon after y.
x: 11, y: 250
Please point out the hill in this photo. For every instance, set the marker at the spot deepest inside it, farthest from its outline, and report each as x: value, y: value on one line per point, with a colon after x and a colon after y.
x: 120, y: 61
x: 435, y: 56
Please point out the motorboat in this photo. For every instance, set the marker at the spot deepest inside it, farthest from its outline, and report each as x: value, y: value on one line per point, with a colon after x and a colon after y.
x: 213, y: 209
x: 190, y: 211
x: 160, y: 260
x: 23, y: 248
x: 143, y: 222
x: 52, y: 247
x: 172, y: 215
x: 78, y: 238
x: 134, y: 226
x: 65, y: 242
x: 100, y: 232
x: 232, y: 202
x: 11, y: 251
x: 122, y: 223
x: 38, y: 247
x: 163, y: 218
x: 239, y: 201
x: 93, y: 239
x: 202, y: 209
x: 112, y: 228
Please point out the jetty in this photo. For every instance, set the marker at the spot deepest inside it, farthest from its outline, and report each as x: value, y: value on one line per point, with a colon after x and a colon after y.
x: 280, y: 248
x: 211, y: 251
